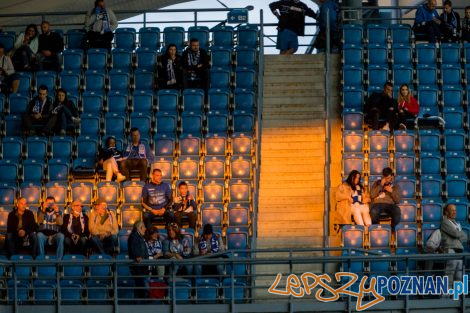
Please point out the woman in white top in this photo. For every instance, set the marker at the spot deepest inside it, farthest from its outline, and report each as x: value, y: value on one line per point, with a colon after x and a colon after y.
x: 26, y: 46
x: 9, y: 81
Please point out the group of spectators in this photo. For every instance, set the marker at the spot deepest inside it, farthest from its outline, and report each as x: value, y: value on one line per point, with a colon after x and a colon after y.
x: 447, y: 27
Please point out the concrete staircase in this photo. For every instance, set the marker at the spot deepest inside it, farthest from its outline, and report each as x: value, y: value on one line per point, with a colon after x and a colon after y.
x: 292, y: 184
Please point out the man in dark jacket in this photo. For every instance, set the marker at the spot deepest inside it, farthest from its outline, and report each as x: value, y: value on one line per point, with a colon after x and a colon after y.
x: 291, y: 15
x: 75, y: 229
x: 195, y: 66
x: 49, y: 222
x: 138, y: 252
x: 39, y: 112
x: 21, y: 229
x: 382, y: 106
x: 51, y: 44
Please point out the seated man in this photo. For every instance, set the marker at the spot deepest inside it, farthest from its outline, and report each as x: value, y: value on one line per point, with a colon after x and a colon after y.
x: 184, y: 205
x: 427, y: 21
x: 195, y: 66
x: 39, y: 112
x: 382, y: 106
x: 136, y: 156
x: 156, y: 200
x: 9, y: 80
x: 21, y: 229
x: 209, y: 243
x: 49, y: 221
x: 103, y: 227
x: 51, y: 44
x: 385, y: 198
x: 75, y: 229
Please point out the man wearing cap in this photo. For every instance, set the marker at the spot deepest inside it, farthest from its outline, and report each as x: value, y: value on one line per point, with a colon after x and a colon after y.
x: 75, y: 229
x: 103, y: 227
x: 157, y: 197
x: 209, y: 243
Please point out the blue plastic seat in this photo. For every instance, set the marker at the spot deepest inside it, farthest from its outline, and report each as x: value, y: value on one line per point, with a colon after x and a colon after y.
x: 352, y: 236
x: 87, y: 147
x: 191, y: 123
x: 426, y: 53
x: 402, y: 54
x: 214, y: 167
x: 216, y: 144
x: 221, y: 57
x: 213, y: 191
x: 144, y: 79
x: 404, y: 141
x: 408, y: 209
x: 119, y: 80
x: 165, y: 164
x: 73, y: 270
x: 450, y: 53
x: 430, y: 163
x: 12, y: 149
x: 174, y: 35
x: 451, y: 74
x: 125, y: 38
x: 406, y: 235
x: 123, y: 237
x: 164, y: 144
x: 377, y: 54
x: 149, y: 37
x: 75, y: 38
x: 7, y: 40
x: 166, y: 123
x: 352, y: 140
x: 353, y: 97
x: 429, y: 140
x: 8, y: 171
x: 453, y: 118
x: 217, y: 123
x: 193, y: 100
x: 427, y: 74
x: 70, y: 80
x: 118, y: 101
x: 431, y: 210
x: 407, y: 186
x: 404, y: 163
x: 190, y: 144
x: 121, y: 59
x: 377, y: 162
x: 129, y: 215
x: 378, y: 140
x: 18, y: 103
x: 247, y: 35
x: 353, y: 75
x: 92, y: 102
x: 13, y: 125
x: 146, y: 58
x: 220, y: 78
x: 241, y: 167
x: 244, y: 100
x: 352, y: 34
x: 46, y: 78
x: 200, y: 33
x: 243, y: 122
x: 237, y: 238
x: 97, y: 291
x: 168, y: 100
x: 377, y: 34
x: 402, y: 74
x: 431, y: 186
x: 188, y: 167
x: 238, y: 215
x: 89, y: 125
x: 142, y: 101
x: 455, y: 140
x: 452, y: 96
x: 32, y: 191
x: 94, y: 80
x: 182, y: 290
x: 379, y: 267
x: 212, y: 214
x: 401, y: 33
x: 222, y: 36
x: 72, y: 59
x: 352, y: 161
x: 70, y: 291
x: 377, y: 76
x: 237, y: 286
x: 239, y: 190
x: 110, y: 191
x: 207, y: 290
x: 455, y: 162
x: 219, y: 100
x: 353, y: 55
x: 33, y: 170
x: 456, y: 186
x: 7, y: 196
x: 58, y: 169
x: 380, y: 236
x: 97, y: 59
x: 353, y: 119
x: 115, y: 125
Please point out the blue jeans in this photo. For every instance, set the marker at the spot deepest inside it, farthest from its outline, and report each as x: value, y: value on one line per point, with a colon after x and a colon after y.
x: 15, y: 243
x: 57, y: 239
x: 111, y: 242
x: 392, y: 210
x: 149, y: 217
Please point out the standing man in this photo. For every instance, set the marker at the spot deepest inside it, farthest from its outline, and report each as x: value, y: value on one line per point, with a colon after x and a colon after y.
x: 328, y: 15
x: 39, y: 112
x: 382, y: 106
x: 21, y: 229
x: 195, y: 66
x: 138, y: 252
x: 104, y: 228
x: 136, y: 156
x: 427, y: 21
x: 291, y: 15
x: 156, y: 200
x: 75, y: 229
x: 50, y: 220
x: 100, y: 23
x: 51, y: 44
x: 385, y: 198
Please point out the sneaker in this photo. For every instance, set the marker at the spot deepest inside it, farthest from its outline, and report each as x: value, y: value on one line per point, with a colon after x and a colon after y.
x: 120, y: 178
x: 402, y: 126
x: 386, y: 127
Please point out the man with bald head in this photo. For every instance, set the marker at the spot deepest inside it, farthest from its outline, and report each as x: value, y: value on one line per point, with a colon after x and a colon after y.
x: 21, y: 229
x: 427, y: 21
x: 75, y: 229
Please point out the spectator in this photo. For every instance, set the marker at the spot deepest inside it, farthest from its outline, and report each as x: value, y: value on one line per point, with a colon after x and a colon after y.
x: 427, y: 21
x: 352, y: 199
x: 38, y: 113
x: 328, y: 9
x: 21, y: 229
x: 452, y: 237
x: 108, y: 158
x: 156, y: 200
x: 136, y: 156
x: 50, y: 221
x: 184, y: 205
x: 26, y: 47
x: 466, y: 25
x: 103, y: 228
x: 100, y: 22
x: 51, y: 44
x: 209, y: 243
x: 64, y: 112
x: 9, y: 80
x: 408, y: 106
x: 170, y: 69
x: 382, y: 106
x: 75, y: 229
x: 176, y: 247
x: 291, y: 15
x: 385, y: 198
x: 195, y: 66
x: 450, y: 23
x: 138, y: 252
x: 155, y: 248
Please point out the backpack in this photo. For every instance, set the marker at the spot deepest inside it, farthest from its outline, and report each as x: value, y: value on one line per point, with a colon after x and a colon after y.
x: 434, y: 242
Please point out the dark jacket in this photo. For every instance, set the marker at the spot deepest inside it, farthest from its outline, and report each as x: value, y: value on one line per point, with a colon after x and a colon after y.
x: 292, y: 15
x: 29, y: 223
x: 106, y: 153
x: 381, y: 102
x: 137, y: 248
x: 52, y: 41
x: 203, y: 59
x: 83, y: 232
x: 46, y: 110
x: 163, y: 76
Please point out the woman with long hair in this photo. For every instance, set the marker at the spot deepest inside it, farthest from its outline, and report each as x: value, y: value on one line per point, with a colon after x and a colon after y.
x: 170, y: 69
x: 155, y: 249
x: 408, y: 106
x: 352, y: 200
x: 177, y: 247
x: 26, y: 47
x: 64, y: 111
